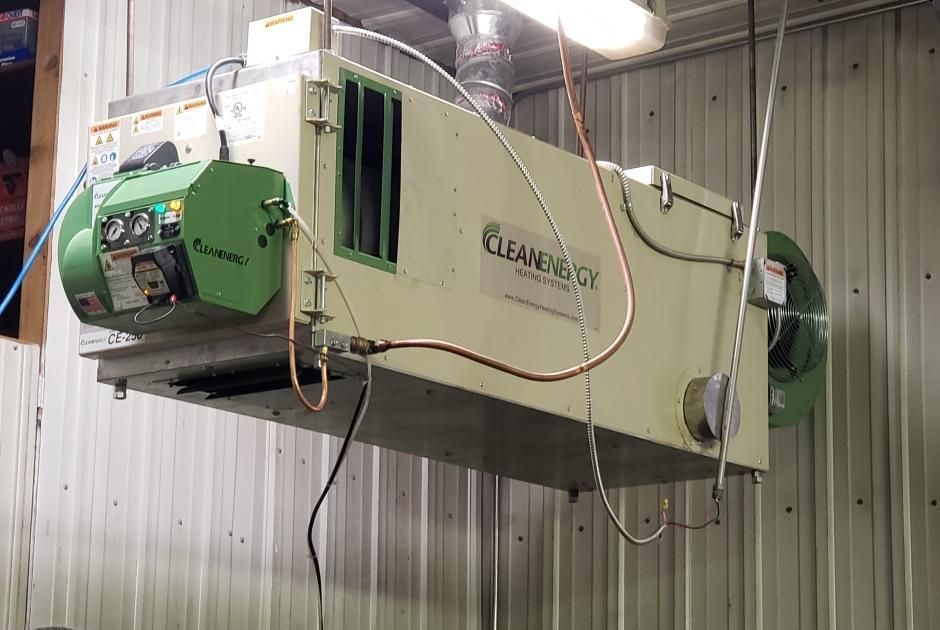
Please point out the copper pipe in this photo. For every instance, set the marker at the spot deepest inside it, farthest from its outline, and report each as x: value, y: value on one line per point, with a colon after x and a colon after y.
x: 291, y: 337
x: 584, y: 88
x: 629, y: 315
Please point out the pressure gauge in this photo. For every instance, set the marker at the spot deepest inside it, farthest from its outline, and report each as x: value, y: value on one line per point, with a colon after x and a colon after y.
x: 140, y: 223
x: 113, y: 230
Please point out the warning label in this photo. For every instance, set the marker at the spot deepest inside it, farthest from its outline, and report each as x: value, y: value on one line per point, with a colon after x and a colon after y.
x: 775, y: 282
x: 243, y: 114
x: 104, y: 150
x: 147, y: 122
x: 118, y: 273
x: 190, y: 119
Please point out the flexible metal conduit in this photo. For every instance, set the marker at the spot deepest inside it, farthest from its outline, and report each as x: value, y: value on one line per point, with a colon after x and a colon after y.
x: 591, y: 158
x: 718, y: 490
x: 644, y: 235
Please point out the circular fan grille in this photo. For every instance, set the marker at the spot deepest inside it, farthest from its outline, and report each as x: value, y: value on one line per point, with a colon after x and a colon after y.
x: 797, y: 333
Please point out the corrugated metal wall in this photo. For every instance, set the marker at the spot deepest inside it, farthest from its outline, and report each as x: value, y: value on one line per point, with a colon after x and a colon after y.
x: 19, y: 380
x: 156, y: 515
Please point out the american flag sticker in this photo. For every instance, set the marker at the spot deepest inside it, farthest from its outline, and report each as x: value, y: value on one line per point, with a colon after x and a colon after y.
x: 90, y: 303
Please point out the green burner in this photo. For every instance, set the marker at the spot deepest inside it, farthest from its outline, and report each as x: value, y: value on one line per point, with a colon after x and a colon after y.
x: 192, y: 236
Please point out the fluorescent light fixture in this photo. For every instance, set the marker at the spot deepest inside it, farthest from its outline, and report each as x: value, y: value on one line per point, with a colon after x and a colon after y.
x: 616, y: 29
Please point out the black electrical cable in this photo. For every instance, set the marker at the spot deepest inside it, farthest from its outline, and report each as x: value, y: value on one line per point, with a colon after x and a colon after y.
x: 343, y: 451
x: 210, y: 97
x: 703, y: 525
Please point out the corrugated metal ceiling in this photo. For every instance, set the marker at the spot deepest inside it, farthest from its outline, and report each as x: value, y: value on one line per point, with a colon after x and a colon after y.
x: 695, y: 25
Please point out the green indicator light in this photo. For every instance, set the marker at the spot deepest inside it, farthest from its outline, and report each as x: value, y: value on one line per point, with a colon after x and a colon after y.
x: 159, y: 208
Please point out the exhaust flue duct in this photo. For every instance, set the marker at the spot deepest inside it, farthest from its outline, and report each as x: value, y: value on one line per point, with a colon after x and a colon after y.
x: 485, y: 31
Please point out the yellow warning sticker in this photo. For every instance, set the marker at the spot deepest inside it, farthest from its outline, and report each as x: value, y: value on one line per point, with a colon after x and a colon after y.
x: 104, y: 149
x: 107, y: 125
x: 277, y: 21
x: 191, y: 119
x: 147, y: 122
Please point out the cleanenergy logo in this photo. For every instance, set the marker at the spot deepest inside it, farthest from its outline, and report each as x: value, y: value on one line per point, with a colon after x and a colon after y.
x: 518, y: 252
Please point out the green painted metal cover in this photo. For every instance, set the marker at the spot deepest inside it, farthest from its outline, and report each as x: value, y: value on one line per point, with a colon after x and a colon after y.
x: 206, y: 218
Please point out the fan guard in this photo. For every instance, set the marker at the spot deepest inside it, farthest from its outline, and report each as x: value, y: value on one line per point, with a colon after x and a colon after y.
x: 797, y: 334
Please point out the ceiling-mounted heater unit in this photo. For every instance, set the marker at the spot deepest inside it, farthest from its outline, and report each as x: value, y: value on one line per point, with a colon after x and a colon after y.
x: 419, y: 223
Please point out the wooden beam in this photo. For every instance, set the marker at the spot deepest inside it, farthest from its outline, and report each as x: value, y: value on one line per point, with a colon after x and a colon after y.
x: 41, y: 193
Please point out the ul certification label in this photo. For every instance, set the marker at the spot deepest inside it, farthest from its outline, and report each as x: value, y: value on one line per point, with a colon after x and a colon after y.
x: 147, y: 122
x: 104, y: 150
x: 243, y: 114
x: 119, y: 274
x: 190, y: 121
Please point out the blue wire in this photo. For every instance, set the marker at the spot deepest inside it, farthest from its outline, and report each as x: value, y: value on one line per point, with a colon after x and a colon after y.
x: 41, y: 242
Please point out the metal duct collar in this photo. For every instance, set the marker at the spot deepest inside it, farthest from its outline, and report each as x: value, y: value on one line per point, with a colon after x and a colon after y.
x: 485, y: 31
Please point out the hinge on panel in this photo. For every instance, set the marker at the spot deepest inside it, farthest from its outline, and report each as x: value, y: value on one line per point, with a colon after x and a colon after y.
x: 318, y: 104
x: 737, y: 220
x: 316, y: 308
x: 665, y: 199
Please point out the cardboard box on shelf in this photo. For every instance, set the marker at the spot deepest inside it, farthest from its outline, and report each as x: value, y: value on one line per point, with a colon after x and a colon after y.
x: 13, y: 181
x: 18, y: 31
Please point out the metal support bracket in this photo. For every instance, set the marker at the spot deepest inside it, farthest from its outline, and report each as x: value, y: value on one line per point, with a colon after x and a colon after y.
x: 334, y: 341
x: 318, y: 104
x: 666, y: 198
x: 737, y: 220
x: 317, y: 307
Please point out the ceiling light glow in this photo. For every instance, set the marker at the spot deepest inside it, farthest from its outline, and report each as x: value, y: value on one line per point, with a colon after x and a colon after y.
x: 616, y: 29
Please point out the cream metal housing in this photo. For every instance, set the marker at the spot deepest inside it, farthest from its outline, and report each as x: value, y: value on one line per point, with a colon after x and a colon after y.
x: 455, y: 179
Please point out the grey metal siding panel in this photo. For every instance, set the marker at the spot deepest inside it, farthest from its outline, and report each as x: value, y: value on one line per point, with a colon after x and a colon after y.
x: 838, y: 146
x: 155, y: 515
x: 19, y: 378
